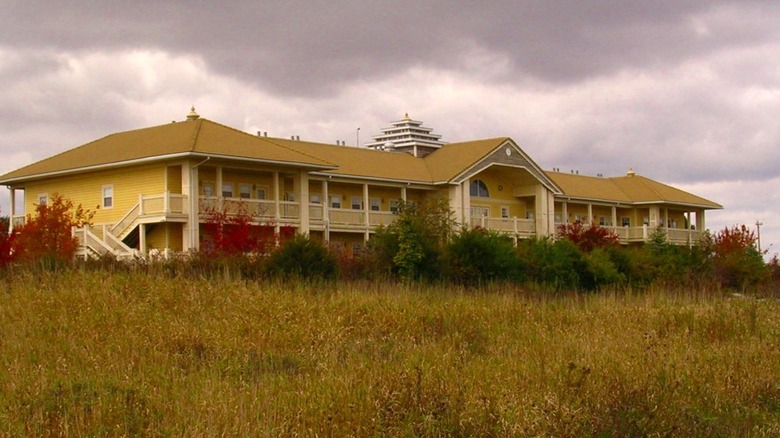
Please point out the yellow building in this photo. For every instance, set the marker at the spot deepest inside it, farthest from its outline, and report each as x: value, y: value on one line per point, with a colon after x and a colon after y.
x: 151, y: 187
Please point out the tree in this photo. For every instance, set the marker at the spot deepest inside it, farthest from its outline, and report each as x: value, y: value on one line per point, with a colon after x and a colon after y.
x: 477, y: 255
x: 47, y: 236
x: 6, y: 242
x: 588, y: 238
x: 736, y: 260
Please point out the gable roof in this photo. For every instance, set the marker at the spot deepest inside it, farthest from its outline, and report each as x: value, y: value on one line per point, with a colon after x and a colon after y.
x: 628, y: 189
x: 191, y: 138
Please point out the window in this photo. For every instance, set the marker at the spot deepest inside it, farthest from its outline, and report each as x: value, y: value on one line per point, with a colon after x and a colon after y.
x: 646, y: 221
x: 315, y: 198
x: 529, y: 214
x: 43, y: 199
x: 335, y: 201
x: 208, y: 189
x: 625, y: 221
x: 375, y: 204
x: 480, y: 211
x: 357, y: 203
x: 289, y: 196
x: 108, y: 196
x: 479, y: 189
x: 505, y: 212
x: 558, y: 218
x: 227, y: 190
x: 262, y: 192
x: 244, y: 191
x: 394, y: 206
x: 602, y: 221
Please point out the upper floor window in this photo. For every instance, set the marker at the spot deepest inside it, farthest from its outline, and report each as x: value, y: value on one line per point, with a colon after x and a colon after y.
x: 227, y: 190
x: 357, y: 203
x: 43, y: 199
x: 479, y: 189
x: 335, y: 201
x: 208, y: 189
x: 108, y: 196
x: 244, y: 191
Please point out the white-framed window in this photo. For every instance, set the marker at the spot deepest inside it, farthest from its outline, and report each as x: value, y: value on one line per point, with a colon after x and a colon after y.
x: 479, y: 211
x: 646, y: 221
x: 504, y: 212
x: 208, y: 189
x: 227, y: 190
x: 43, y: 199
x: 393, y: 204
x: 602, y: 221
x: 625, y: 221
x: 335, y: 201
x: 375, y: 204
x: 108, y: 196
x: 261, y: 192
x: 579, y: 218
x: 244, y: 191
x: 529, y: 214
x: 479, y: 189
x: 314, y: 198
x: 356, y: 203
x: 289, y: 196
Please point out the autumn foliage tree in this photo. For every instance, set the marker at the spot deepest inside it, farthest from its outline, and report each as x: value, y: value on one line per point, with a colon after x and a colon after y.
x: 47, y: 235
x: 230, y: 232
x: 736, y: 260
x: 588, y: 238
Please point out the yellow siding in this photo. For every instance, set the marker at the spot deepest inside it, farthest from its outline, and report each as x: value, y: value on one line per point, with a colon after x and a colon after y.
x: 174, y: 179
x: 87, y: 190
x: 169, y: 232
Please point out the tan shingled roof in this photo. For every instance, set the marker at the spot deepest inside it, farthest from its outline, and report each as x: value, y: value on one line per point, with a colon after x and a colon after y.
x: 181, y: 138
x: 361, y: 162
x: 628, y: 189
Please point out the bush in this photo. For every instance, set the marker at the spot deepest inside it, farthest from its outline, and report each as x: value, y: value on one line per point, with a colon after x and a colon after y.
x: 478, y: 255
x: 304, y: 258
x: 557, y: 264
x: 588, y: 238
x: 737, y: 263
x: 600, y: 271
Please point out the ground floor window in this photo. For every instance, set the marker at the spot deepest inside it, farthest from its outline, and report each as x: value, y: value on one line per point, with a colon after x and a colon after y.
x: 43, y: 199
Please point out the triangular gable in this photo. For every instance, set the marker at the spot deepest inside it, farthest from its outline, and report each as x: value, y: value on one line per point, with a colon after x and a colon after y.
x: 508, y: 154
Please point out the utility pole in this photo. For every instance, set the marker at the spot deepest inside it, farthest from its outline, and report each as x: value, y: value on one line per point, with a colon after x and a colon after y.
x: 357, y: 135
x: 758, y: 234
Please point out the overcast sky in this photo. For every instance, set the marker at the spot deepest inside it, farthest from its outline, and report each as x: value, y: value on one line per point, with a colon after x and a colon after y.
x: 684, y: 92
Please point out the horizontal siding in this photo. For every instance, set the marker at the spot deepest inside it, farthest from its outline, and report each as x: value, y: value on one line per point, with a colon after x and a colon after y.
x: 87, y: 190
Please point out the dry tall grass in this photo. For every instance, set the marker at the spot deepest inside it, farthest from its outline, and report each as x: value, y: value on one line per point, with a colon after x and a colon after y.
x: 128, y: 354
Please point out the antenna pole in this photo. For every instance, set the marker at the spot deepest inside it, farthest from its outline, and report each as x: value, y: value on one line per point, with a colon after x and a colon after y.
x: 357, y: 137
x: 758, y: 234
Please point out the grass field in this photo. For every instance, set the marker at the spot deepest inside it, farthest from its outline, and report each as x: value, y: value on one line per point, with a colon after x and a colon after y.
x: 90, y: 353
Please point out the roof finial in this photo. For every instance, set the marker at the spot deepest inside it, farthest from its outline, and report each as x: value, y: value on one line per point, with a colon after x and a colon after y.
x: 630, y: 172
x: 192, y: 116
x: 406, y: 116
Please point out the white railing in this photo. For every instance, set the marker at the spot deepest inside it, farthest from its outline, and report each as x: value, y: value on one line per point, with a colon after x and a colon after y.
x: 289, y: 210
x: 315, y: 212
x: 343, y: 216
x: 507, y: 225
x: 381, y: 218
x: 256, y: 208
x: 127, y: 221
x: 18, y: 220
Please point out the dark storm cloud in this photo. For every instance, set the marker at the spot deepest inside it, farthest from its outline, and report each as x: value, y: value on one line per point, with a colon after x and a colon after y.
x: 312, y: 48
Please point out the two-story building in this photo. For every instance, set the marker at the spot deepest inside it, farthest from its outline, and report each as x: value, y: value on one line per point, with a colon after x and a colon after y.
x: 150, y: 188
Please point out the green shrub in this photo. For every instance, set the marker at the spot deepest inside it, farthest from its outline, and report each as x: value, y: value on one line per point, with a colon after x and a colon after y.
x: 478, y: 255
x: 600, y: 271
x: 557, y: 264
x: 304, y: 258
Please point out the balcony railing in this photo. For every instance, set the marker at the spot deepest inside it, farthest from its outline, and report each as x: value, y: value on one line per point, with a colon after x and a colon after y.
x: 507, y: 225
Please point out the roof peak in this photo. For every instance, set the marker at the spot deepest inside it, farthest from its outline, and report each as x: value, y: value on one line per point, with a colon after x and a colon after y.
x: 192, y: 116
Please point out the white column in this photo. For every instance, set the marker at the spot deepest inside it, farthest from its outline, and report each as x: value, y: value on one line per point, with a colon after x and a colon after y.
x: 541, y: 207
x: 277, y: 213
x: 219, y: 189
x: 302, y: 193
x: 565, y: 213
x: 403, y: 194
x: 590, y: 213
x: 655, y: 216
x: 666, y: 218
x: 456, y: 204
x: 191, y: 235
x: 326, y: 211
x: 700, y: 224
x: 614, y: 216
x: 366, y: 212
x: 13, y: 210
x: 142, y: 239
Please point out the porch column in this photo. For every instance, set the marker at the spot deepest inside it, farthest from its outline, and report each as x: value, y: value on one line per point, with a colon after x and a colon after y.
x: 219, y: 189
x: 465, y: 191
x: 456, y: 204
x: 700, y: 225
x: 666, y: 218
x: 403, y: 194
x: 565, y: 212
x: 142, y: 239
x: 325, y: 211
x: 544, y: 211
x: 277, y: 213
x: 655, y: 216
x: 191, y: 235
x: 590, y: 213
x: 614, y: 216
x: 366, y: 212
x: 302, y: 193
x: 13, y: 210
